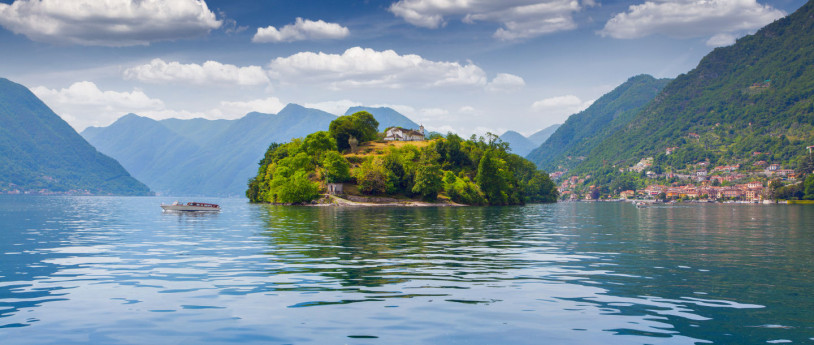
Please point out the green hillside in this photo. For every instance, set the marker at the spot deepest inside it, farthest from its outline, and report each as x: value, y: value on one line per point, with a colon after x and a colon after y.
x: 583, y: 131
x: 39, y: 150
x: 473, y: 172
x: 754, y: 96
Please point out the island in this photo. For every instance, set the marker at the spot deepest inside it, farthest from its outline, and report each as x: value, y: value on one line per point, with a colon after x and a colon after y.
x: 354, y: 164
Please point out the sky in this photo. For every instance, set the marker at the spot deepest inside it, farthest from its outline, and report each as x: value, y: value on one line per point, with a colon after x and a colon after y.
x: 466, y: 66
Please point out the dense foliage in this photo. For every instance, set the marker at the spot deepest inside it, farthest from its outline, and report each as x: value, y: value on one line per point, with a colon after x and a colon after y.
x: 475, y: 172
x: 754, y: 96
x: 40, y: 151
x: 360, y: 125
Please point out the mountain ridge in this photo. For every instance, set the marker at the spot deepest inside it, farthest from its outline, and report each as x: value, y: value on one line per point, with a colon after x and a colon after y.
x: 582, y: 131
x: 207, y: 157
x: 756, y: 95
x: 40, y: 151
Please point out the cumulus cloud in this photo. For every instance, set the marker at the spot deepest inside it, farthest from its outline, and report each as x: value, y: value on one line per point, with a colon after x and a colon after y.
x: 211, y: 72
x: 108, y: 23
x: 506, y: 82
x: 302, y: 29
x: 560, y: 107
x: 691, y: 18
x: 519, y: 18
x: 83, y: 104
x: 358, y: 67
x: 271, y: 105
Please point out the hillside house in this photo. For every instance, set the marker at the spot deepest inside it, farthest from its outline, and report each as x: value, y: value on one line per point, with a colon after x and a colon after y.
x: 401, y: 134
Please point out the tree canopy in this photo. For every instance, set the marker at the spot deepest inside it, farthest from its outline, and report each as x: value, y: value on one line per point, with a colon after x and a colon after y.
x: 360, y: 125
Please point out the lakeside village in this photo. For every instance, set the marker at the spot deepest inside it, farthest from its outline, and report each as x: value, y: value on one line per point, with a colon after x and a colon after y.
x: 701, y: 183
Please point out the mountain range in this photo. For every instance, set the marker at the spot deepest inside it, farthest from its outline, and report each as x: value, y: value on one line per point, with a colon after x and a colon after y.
x: 211, y: 157
x: 747, y: 103
x: 521, y: 145
x: 40, y: 152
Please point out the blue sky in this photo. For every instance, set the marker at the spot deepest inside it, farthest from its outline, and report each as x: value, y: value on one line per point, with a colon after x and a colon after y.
x: 466, y: 66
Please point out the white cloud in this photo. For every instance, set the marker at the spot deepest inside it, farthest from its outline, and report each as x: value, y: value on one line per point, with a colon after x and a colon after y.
x: 83, y: 104
x: 108, y: 23
x: 520, y: 18
x: 302, y: 29
x: 721, y: 40
x: 691, y: 18
x: 560, y: 107
x: 271, y: 105
x: 506, y: 82
x: 358, y: 68
x: 211, y: 72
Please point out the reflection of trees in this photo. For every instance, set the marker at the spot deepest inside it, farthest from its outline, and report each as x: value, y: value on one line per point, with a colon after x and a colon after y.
x: 379, y: 246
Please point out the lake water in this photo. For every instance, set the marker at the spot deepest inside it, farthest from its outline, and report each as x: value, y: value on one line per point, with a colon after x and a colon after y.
x: 109, y: 270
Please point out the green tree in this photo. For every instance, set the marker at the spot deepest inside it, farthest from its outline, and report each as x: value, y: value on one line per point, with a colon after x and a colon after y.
x: 808, y: 187
x: 316, y: 144
x: 491, y: 178
x: 428, y: 181
x: 371, y: 177
x: 361, y: 125
x: 298, y: 189
x: 337, y: 168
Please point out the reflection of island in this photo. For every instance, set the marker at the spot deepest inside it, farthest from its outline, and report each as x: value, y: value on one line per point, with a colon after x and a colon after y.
x: 371, y: 247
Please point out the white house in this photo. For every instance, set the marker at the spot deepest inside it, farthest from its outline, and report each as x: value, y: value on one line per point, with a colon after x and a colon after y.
x: 401, y: 134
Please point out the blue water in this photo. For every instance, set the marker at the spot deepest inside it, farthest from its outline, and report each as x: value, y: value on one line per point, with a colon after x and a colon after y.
x: 110, y: 270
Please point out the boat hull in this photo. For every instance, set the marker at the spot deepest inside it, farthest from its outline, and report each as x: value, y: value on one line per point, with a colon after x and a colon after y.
x: 188, y: 208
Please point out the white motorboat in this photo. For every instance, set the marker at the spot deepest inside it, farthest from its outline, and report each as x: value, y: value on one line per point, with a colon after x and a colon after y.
x: 191, y: 207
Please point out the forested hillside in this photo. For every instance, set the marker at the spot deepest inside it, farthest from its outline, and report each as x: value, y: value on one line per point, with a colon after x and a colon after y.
x: 473, y: 172
x: 752, y: 101
x: 40, y: 151
x: 582, y: 132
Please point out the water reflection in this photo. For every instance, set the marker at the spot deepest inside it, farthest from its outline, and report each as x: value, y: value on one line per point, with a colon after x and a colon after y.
x: 373, y: 247
x: 121, y: 271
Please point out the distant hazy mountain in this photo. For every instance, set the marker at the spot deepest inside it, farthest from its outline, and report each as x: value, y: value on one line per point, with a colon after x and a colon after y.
x: 583, y: 131
x: 518, y: 144
x: 207, y: 157
x: 145, y: 147
x: 542, y: 135
x: 387, y: 117
x: 39, y: 150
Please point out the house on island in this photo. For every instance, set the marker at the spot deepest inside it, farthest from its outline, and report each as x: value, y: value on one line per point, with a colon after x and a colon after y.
x: 401, y: 134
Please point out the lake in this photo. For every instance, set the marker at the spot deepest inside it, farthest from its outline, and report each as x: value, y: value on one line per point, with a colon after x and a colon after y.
x: 117, y: 270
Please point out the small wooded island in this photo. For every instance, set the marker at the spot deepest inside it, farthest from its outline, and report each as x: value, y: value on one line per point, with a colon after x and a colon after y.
x: 354, y: 160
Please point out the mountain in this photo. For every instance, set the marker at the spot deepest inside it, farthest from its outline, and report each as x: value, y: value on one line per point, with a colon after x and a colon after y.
x: 145, y: 147
x: 207, y: 157
x: 583, y: 131
x: 542, y: 135
x: 750, y: 101
x: 518, y: 144
x: 199, y: 130
x: 39, y: 150
x: 387, y: 117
